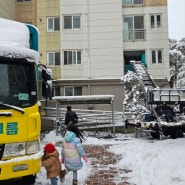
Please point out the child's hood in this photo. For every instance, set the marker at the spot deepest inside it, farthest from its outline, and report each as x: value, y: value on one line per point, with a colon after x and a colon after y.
x: 69, y: 137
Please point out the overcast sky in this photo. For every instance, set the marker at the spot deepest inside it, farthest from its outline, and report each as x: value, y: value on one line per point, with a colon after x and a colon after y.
x: 176, y: 19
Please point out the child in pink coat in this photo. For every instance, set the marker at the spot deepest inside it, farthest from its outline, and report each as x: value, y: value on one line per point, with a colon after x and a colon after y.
x: 72, y: 151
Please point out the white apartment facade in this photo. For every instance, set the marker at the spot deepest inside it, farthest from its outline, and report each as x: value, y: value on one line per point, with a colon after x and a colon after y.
x: 91, y: 49
x: 96, y: 35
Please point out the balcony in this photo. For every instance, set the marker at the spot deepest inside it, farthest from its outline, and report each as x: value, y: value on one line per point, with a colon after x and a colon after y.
x: 132, y: 2
x: 130, y: 35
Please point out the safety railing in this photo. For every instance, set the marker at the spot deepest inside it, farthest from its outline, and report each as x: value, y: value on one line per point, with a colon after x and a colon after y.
x: 129, y: 35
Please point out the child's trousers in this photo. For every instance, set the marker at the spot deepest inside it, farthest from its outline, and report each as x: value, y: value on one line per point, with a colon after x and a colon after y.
x: 54, y: 181
x: 75, y: 174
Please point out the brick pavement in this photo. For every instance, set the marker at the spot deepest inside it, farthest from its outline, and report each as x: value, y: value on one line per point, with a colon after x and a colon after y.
x: 102, y: 172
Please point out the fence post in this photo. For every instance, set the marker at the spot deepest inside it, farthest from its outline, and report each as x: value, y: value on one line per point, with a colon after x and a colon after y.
x: 113, y: 117
x: 57, y: 118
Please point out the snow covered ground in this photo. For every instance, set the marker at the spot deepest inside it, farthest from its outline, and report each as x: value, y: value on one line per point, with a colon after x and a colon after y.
x: 153, y: 162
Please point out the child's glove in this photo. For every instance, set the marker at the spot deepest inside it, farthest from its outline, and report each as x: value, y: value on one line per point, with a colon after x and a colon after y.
x: 62, y: 160
x: 84, y: 158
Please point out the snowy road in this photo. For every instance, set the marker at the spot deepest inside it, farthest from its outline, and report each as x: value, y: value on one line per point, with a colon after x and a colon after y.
x: 150, y: 162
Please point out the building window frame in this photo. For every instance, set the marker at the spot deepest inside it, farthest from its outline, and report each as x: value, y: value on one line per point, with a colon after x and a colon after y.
x: 156, y: 56
x: 72, y: 57
x: 133, y: 2
x: 53, y: 24
x: 72, y: 22
x: 133, y: 28
x: 57, y: 91
x: 53, y: 58
x: 72, y: 91
x: 155, y: 21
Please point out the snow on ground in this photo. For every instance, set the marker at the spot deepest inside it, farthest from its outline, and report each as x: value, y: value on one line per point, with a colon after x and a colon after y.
x: 153, y: 162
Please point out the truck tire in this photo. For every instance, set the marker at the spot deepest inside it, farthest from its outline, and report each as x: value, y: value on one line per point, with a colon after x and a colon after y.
x: 155, y: 135
x: 166, y: 133
x: 29, y: 179
x: 178, y: 133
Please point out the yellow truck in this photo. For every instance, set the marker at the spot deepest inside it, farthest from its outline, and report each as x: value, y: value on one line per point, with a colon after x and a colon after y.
x: 21, y: 77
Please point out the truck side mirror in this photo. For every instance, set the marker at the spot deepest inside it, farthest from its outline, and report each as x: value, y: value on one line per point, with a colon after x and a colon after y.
x: 46, y: 85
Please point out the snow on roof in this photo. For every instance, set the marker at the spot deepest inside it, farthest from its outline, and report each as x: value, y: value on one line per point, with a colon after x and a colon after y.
x: 16, y: 52
x: 14, y: 40
x: 96, y: 99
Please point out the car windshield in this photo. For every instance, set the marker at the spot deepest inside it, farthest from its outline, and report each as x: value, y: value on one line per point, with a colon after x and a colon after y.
x: 17, y: 82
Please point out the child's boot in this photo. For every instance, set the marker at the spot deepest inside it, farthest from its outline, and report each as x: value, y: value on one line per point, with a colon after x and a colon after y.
x: 62, y: 175
x: 75, y: 182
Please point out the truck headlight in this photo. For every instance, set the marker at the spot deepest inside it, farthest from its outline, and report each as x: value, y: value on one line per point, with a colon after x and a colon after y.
x: 18, y: 149
x: 14, y: 149
x: 32, y: 147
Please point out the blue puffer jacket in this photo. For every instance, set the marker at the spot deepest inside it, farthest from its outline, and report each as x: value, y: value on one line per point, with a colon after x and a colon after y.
x: 72, y: 151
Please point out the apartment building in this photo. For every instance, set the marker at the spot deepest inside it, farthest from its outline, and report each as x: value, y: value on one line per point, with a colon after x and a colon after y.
x: 89, y: 43
x: 100, y: 38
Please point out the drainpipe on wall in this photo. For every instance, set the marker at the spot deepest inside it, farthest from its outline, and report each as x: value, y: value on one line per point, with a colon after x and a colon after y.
x: 88, y: 43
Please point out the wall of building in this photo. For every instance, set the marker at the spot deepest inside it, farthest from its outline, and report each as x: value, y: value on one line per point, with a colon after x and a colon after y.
x: 26, y: 12
x: 156, y: 2
x: 96, y: 87
x: 155, y: 38
x: 49, y: 41
x: 7, y: 9
x: 99, y: 39
x: 158, y: 39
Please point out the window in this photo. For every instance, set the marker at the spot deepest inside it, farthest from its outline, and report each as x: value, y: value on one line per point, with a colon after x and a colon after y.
x: 72, y: 57
x: 57, y: 91
x: 155, y: 21
x: 53, y: 24
x: 133, y: 28
x: 156, y: 56
x: 72, y: 22
x: 73, y: 91
x: 53, y: 58
x: 132, y: 2
x: 22, y: 0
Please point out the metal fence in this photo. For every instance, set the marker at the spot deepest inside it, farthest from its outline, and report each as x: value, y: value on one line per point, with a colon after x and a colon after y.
x: 88, y: 119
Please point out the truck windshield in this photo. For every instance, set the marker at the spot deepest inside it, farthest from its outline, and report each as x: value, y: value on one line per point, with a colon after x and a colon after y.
x: 17, y: 83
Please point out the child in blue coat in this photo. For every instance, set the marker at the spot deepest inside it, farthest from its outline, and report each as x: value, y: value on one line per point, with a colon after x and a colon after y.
x: 72, y: 151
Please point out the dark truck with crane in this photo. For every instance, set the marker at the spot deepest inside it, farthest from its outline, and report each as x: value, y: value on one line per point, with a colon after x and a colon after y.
x: 166, y: 105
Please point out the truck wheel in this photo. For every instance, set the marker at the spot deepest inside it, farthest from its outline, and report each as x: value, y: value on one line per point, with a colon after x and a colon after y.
x: 165, y: 133
x: 177, y: 134
x: 29, y: 179
x: 155, y: 135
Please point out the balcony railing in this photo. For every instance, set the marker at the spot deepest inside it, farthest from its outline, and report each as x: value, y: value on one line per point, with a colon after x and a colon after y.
x: 132, y: 2
x: 129, y: 35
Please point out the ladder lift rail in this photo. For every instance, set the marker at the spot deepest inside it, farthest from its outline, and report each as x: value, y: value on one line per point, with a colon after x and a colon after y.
x: 144, y: 77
